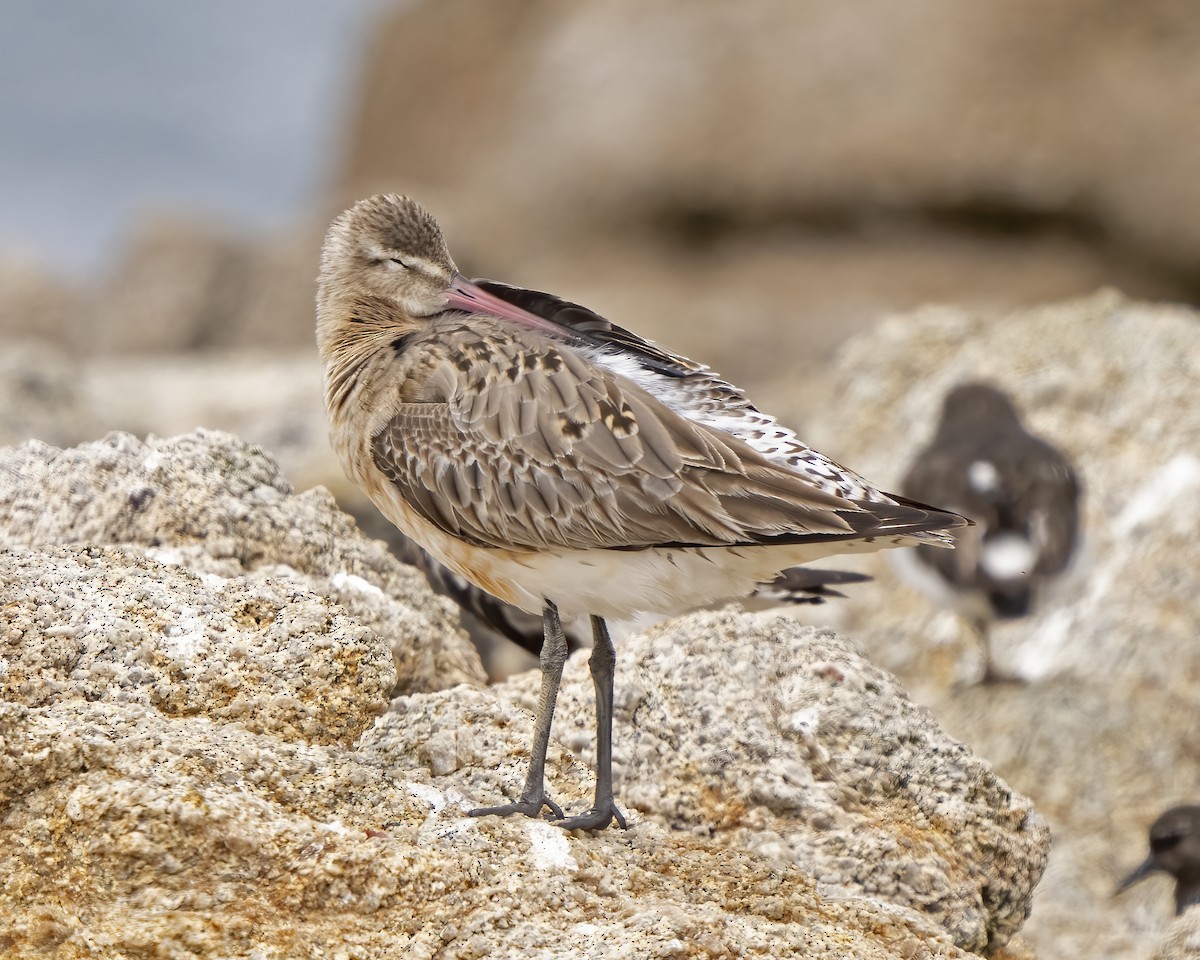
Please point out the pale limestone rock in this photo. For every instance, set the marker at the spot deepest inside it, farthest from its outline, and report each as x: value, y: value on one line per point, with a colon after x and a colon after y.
x: 102, y: 624
x: 189, y: 652
x: 217, y: 507
x: 200, y: 832
x: 773, y: 739
x: 1183, y: 939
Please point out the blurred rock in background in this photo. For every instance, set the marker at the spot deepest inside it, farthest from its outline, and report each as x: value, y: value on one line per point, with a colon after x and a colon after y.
x: 797, y: 166
x: 736, y: 116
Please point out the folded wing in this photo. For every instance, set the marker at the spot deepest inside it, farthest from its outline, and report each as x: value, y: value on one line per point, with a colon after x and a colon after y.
x: 532, y: 446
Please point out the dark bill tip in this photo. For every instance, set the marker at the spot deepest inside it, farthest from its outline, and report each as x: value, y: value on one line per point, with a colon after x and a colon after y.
x: 1143, y: 870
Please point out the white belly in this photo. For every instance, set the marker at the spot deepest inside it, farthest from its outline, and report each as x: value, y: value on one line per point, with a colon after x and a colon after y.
x: 621, y: 584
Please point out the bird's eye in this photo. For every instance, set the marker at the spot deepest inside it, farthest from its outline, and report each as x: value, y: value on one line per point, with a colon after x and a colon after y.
x: 403, y: 263
x: 1166, y: 841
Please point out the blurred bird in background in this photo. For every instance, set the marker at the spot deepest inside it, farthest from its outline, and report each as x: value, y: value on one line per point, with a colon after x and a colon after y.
x: 1174, y: 849
x: 1024, y: 497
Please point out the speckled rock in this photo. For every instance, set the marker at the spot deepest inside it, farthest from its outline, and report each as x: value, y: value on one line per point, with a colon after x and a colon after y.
x: 774, y: 739
x: 181, y: 833
x: 219, y: 508
x: 193, y: 761
x: 1103, y: 737
x: 1183, y: 939
x: 317, y: 853
x: 107, y: 626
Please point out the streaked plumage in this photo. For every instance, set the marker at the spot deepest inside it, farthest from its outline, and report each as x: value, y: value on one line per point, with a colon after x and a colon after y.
x: 1021, y: 492
x: 561, y: 463
x: 1174, y: 849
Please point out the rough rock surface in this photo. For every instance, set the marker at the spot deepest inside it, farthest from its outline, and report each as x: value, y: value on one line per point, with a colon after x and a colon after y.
x: 219, y: 508
x: 193, y: 761
x: 103, y: 625
x: 1183, y: 939
x: 778, y: 740
x: 1103, y: 737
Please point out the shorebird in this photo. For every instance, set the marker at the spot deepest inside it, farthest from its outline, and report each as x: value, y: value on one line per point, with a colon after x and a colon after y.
x: 1022, y: 494
x: 1174, y: 849
x: 562, y: 463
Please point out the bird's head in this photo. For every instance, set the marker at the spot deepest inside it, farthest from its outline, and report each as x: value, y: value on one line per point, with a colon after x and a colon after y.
x: 388, y: 253
x: 1174, y: 849
x: 389, y: 248
x: 974, y: 406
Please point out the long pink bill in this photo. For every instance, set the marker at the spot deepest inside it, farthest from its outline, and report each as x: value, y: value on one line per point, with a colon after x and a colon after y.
x: 465, y: 295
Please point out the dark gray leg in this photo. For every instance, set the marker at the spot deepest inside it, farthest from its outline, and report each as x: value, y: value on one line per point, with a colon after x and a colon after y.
x: 603, y: 661
x: 554, y: 655
x: 990, y: 674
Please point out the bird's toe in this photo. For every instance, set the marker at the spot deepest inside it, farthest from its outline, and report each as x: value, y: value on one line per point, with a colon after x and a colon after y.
x: 528, y: 807
x: 595, y: 819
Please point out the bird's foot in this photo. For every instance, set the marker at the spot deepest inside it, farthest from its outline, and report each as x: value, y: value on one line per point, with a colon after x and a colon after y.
x: 595, y: 819
x: 530, y: 807
x: 994, y: 678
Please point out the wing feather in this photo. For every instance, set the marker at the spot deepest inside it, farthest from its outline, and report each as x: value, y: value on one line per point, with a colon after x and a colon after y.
x: 568, y: 454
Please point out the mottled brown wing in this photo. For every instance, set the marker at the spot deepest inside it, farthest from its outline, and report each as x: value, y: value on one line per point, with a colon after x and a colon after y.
x: 532, y: 446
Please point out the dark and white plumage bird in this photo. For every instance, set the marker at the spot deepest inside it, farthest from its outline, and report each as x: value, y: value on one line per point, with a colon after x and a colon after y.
x: 1174, y: 849
x: 1023, y: 495
x: 560, y: 462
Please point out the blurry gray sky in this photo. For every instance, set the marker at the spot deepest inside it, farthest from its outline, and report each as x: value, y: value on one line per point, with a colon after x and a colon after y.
x: 226, y: 107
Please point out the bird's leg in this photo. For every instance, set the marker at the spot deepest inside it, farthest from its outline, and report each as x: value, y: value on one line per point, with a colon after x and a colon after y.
x: 990, y: 674
x: 603, y: 661
x: 533, y: 796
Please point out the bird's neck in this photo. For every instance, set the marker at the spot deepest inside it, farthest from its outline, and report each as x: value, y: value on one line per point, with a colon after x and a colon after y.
x: 351, y: 332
